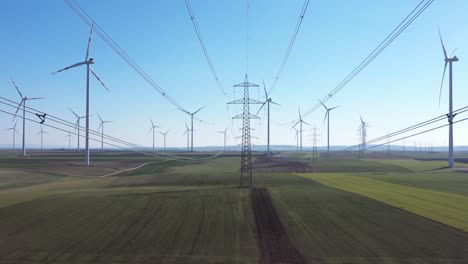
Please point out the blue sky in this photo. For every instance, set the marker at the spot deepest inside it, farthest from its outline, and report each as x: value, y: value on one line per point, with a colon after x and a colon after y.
x: 398, y: 89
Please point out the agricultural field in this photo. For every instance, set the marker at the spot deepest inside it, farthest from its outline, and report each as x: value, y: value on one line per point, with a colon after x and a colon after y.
x: 190, y: 210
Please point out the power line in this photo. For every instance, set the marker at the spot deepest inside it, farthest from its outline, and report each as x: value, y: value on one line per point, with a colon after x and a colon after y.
x: 413, y: 15
x: 70, y: 125
x: 202, y: 43
x: 291, y: 44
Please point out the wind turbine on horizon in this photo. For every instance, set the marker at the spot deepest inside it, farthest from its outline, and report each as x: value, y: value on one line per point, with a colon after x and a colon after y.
x: 327, y: 118
x: 187, y: 131
x: 77, y: 127
x: 23, y: 103
x: 42, y: 132
x: 13, y: 129
x: 191, y: 118
x: 224, y: 132
x: 268, y: 100
x: 300, y: 122
x: 69, y: 136
x: 164, y: 134
x: 102, y: 130
x: 88, y: 61
x: 297, y: 138
x: 153, y: 127
x: 448, y: 60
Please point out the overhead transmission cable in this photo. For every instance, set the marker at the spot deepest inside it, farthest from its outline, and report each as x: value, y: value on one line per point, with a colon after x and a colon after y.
x: 71, y: 125
x: 205, y: 50
x: 413, y: 15
x: 121, y: 53
x: 409, y: 129
x: 291, y: 44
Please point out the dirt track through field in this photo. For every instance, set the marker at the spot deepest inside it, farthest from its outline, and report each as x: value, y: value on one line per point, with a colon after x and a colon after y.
x: 273, y: 241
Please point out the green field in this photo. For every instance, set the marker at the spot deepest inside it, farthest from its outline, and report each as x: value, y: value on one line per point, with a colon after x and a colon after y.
x: 346, y: 211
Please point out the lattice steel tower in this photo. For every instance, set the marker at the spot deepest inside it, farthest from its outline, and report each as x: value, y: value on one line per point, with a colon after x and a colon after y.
x: 246, y: 151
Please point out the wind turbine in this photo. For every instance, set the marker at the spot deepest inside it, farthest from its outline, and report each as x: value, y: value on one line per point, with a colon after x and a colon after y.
x: 153, y: 127
x: 363, y: 132
x: 191, y: 116
x: 42, y: 132
x: 102, y: 131
x: 88, y: 61
x: 327, y: 118
x: 300, y: 122
x: 450, y: 115
x: 69, y: 136
x: 297, y: 138
x: 13, y: 129
x: 268, y: 100
x: 77, y: 127
x: 164, y: 134
x: 187, y: 131
x: 224, y: 132
x: 23, y: 103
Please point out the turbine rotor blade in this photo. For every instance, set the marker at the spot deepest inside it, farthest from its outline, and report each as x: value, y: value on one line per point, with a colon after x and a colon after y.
x: 185, y: 111
x: 99, y: 117
x: 198, y: 110
x: 274, y: 103
x: 17, y: 109
x: 306, y: 123
x: 322, y: 104
x: 261, y: 107
x: 453, y: 52
x: 89, y: 42
x: 69, y: 67
x: 442, y: 42
x: 442, y: 82
x: 99, y: 79
x: 99, y: 126
x: 264, y: 89
x: 35, y: 98
x: 73, y: 112
x: 17, y: 89
x: 325, y: 119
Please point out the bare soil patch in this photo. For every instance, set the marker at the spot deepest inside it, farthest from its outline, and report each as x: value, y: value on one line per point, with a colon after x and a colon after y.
x: 273, y: 241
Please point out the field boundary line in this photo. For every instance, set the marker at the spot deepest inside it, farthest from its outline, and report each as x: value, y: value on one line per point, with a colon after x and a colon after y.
x: 130, y: 169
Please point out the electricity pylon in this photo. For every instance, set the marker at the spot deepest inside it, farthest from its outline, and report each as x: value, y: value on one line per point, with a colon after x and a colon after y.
x: 246, y: 148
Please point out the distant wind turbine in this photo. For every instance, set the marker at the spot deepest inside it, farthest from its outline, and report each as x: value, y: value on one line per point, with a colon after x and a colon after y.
x: 327, y: 118
x: 153, y: 127
x: 187, y: 131
x: 14, y: 131
x: 268, y: 100
x: 224, y: 132
x: 164, y: 135
x: 191, y: 116
x: 23, y: 103
x: 297, y: 138
x: 102, y: 131
x: 69, y: 136
x: 42, y: 132
x: 77, y: 127
x: 300, y: 122
x: 88, y: 61
x: 450, y: 115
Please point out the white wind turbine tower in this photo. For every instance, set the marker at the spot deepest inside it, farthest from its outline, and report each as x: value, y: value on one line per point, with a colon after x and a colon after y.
x: 300, y: 122
x: 23, y: 103
x: 77, y: 127
x: 268, y: 100
x: 327, y: 118
x: 297, y: 138
x: 13, y: 129
x: 164, y: 135
x: 450, y: 115
x: 187, y: 131
x: 224, y: 132
x: 88, y: 61
x: 191, y: 116
x: 42, y: 132
x: 69, y: 136
x: 153, y: 127
x: 102, y: 131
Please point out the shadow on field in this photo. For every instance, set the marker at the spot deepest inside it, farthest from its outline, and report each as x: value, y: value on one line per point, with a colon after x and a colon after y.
x: 273, y: 241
